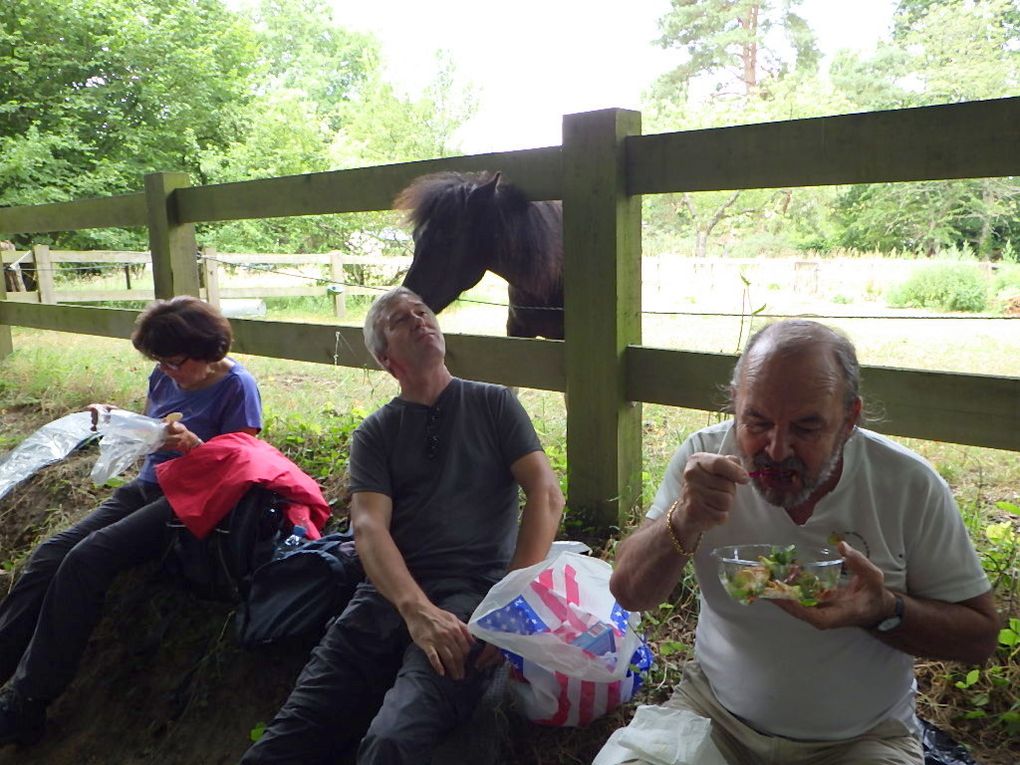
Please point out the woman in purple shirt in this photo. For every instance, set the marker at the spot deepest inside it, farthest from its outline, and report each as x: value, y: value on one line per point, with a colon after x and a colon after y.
x: 46, y: 620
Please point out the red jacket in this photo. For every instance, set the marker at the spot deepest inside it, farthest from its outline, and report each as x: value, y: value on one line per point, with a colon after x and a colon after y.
x: 203, y: 485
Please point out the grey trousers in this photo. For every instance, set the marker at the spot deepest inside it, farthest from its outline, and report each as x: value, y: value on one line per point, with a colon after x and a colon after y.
x: 366, y: 673
x: 46, y: 620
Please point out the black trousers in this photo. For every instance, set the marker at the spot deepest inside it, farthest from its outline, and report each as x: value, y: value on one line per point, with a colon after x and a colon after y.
x: 366, y: 671
x: 46, y: 620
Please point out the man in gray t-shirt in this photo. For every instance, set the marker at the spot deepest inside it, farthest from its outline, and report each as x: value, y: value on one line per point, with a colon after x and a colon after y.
x: 434, y: 480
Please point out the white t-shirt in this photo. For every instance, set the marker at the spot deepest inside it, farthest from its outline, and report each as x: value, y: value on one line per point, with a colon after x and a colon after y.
x: 781, y: 675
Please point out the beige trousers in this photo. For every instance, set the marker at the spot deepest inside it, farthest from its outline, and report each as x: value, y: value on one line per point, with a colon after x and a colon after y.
x: 888, y: 743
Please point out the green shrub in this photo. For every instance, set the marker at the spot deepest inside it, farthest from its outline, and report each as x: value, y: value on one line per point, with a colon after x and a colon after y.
x: 1007, y: 278
x: 943, y: 286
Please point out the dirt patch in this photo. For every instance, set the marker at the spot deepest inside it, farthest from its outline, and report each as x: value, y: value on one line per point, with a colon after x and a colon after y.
x: 160, y: 681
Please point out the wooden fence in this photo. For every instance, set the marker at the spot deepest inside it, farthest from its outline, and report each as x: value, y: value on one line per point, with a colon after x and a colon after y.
x: 42, y: 263
x: 600, y: 171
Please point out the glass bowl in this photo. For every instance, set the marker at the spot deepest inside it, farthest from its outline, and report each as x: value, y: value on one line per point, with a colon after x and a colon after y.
x: 778, y: 572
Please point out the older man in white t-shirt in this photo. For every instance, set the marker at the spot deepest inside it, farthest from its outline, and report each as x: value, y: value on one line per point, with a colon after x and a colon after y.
x: 781, y: 682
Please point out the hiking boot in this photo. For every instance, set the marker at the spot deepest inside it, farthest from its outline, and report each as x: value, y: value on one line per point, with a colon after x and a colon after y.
x: 21, y: 719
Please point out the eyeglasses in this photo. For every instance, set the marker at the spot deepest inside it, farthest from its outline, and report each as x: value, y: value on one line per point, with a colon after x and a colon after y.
x: 432, y: 432
x: 174, y: 365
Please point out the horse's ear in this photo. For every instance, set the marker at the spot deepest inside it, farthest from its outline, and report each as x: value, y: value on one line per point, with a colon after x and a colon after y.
x: 487, y: 190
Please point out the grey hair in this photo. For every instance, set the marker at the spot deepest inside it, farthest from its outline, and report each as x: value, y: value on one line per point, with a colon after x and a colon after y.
x: 375, y: 338
x: 794, y: 334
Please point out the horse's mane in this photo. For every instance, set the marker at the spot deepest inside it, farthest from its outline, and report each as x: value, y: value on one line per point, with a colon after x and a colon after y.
x: 429, y: 196
x: 526, y: 236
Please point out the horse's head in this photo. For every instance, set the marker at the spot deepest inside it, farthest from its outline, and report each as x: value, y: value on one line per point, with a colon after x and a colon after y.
x: 451, y: 215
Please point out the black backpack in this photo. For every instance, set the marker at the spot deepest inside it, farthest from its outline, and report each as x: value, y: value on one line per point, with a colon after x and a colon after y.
x: 294, y: 595
x: 220, y: 566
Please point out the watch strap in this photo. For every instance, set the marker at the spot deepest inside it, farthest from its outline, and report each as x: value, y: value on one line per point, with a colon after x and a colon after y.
x: 892, y: 622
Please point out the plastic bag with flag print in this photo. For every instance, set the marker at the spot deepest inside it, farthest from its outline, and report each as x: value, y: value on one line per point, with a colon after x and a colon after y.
x: 575, y: 654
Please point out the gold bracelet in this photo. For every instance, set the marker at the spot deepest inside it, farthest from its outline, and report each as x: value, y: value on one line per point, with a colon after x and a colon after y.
x: 672, y: 534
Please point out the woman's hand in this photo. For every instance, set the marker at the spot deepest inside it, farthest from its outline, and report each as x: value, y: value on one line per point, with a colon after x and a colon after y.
x: 97, y: 411
x: 180, y: 439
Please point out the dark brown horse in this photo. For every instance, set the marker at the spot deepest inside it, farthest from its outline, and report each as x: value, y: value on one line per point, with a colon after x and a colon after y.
x: 468, y: 223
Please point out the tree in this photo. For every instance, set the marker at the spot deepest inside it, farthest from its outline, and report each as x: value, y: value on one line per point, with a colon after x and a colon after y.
x: 742, y: 42
x: 355, y: 119
x: 942, y: 52
x: 301, y: 48
x: 98, y: 92
x: 389, y: 127
x: 744, y: 60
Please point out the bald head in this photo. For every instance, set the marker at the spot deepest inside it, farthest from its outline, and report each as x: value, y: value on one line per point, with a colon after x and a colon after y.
x: 795, y: 338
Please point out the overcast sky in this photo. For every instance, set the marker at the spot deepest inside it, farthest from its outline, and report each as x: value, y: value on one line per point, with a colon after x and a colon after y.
x: 535, y: 60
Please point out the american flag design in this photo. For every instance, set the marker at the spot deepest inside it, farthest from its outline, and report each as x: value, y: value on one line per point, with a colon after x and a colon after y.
x: 574, y: 652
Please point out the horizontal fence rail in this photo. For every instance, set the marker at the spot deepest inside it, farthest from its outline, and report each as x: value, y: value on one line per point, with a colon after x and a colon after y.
x: 44, y: 263
x: 970, y: 140
x: 127, y: 211
x: 979, y: 410
x: 368, y: 189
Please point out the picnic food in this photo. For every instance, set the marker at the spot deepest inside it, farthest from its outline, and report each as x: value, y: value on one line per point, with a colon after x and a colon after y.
x: 778, y: 572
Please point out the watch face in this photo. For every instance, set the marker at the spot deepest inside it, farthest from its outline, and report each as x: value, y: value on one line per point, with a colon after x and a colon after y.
x: 893, y: 621
x: 889, y: 624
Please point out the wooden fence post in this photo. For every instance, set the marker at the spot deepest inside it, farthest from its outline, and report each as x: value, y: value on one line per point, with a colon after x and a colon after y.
x: 44, y: 273
x: 338, y: 287
x: 6, y: 339
x: 211, y: 271
x: 602, y: 252
x: 172, y: 244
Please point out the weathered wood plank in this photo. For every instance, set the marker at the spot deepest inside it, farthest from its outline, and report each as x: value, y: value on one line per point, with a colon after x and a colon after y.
x: 125, y: 211
x: 23, y: 297
x: 317, y: 258
x: 82, y: 320
x: 96, y: 296
x: 510, y: 361
x: 100, y: 256
x: 602, y: 252
x: 265, y: 292
x: 968, y: 140
x: 247, y: 258
x: 6, y: 337
x: 171, y: 242
x: 980, y: 410
x: 537, y: 171
x: 507, y: 360
x: 965, y: 409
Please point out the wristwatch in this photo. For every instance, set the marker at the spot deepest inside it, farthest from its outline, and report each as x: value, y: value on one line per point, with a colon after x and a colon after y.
x: 892, y: 622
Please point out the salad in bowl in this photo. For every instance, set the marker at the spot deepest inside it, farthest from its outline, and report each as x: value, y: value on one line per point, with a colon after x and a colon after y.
x: 778, y: 572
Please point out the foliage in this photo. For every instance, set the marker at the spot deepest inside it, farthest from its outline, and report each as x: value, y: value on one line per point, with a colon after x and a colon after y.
x: 1007, y: 279
x: 747, y: 42
x: 741, y: 62
x: 944, y: 287
x: 929, y: 216
x: 303, y: 50
x: 989, y: 692
x: 385, y: 127
x: 319, y: 445
x: 95, y: 93
x: 942, y: 52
